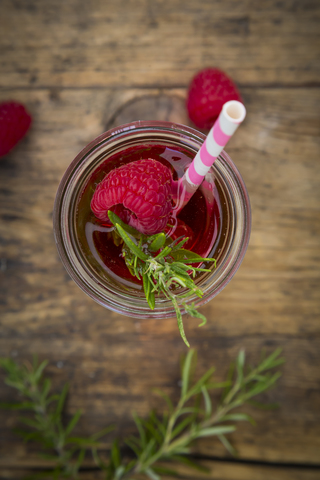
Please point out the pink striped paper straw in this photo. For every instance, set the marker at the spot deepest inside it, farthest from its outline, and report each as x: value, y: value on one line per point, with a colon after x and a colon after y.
x: 232, y: 114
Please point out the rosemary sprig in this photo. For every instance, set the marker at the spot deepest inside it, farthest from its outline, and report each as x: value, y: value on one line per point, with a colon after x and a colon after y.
x: 160, y: 439
x: 170, y: 438
x: 163, y: 268
x: 58, y: 444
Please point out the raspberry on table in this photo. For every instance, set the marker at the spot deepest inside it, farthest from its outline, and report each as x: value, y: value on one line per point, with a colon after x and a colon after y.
x: 209, y: 90
x: 14, y: 124
x: 139, y: 193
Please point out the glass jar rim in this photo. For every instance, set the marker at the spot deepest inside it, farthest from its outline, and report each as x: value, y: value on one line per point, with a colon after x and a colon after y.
x: 62, y: 221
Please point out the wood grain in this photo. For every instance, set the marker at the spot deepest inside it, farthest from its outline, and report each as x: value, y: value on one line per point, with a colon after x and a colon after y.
x: 218, y: 471
x: 144, y: 43
x: 113, y: 362
x: 82, y: 67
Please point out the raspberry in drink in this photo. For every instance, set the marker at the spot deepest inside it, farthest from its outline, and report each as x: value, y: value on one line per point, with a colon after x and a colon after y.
x: 113, y: 265
x: 134, y: 181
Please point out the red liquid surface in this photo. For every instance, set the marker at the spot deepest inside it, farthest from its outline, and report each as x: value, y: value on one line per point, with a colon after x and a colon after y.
x: 200, y: 219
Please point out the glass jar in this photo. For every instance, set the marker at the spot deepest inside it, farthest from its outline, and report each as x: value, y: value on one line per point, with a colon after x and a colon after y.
x: 103, y: 288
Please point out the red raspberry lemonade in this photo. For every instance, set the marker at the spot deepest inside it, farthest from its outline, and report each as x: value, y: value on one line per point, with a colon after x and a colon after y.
x: 127, y: 183
x: 123, y: 235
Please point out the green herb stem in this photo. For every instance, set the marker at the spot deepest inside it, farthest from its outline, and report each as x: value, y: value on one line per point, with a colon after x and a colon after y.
x: 163, y: 268
x: 169, y: 438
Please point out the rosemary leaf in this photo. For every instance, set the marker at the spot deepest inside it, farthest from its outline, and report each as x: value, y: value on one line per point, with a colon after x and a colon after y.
x: 207, y: 400
x: 179, y: 319
x: 166, y: 251
x: 208, y: 432
x: 157, y: 242
x: 133, y: 247
x: 225, y: 442
x: 114, y: 219
x: 165, y: 397
x: 73, y: 422
x: 237, y: 417
x: 159, y: 438
x: 140, y: 428
x: 186, y: 373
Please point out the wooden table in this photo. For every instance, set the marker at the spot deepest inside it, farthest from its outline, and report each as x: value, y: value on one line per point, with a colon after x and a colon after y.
x: 81, y: 67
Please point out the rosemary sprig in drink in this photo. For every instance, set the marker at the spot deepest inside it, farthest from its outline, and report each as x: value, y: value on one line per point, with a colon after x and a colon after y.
x: 163, y: 265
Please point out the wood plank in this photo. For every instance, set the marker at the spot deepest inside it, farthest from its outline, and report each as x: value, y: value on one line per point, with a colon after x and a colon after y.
x: 219, y: 471
x: 112, y: 361
x: 138, y: 43
x: 112, y: 377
